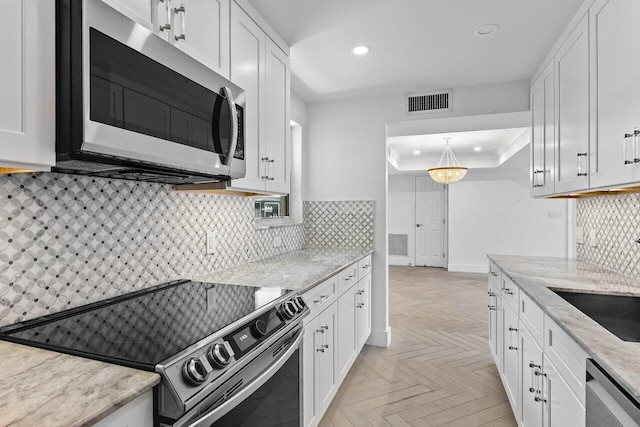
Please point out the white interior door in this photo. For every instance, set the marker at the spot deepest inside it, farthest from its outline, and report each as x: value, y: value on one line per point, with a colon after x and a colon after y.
x: 429, y: 222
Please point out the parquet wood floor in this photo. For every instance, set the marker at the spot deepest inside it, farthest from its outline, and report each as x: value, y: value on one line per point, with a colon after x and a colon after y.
x: 438, y: 370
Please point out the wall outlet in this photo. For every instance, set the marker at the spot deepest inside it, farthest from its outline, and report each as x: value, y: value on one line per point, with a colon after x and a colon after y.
x: 211, y: 242
x: 277, y: 242
x: 580, y: 235
x: 593, y: 240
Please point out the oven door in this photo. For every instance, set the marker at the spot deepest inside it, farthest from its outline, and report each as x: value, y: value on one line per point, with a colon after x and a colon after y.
x: 145, y: 100
x: 272, y: 398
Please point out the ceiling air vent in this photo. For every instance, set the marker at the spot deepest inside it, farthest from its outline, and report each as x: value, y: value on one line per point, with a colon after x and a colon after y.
x: 429, y: 102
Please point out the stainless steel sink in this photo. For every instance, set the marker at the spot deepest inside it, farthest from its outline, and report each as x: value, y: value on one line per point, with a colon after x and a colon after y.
x: 619, y: 314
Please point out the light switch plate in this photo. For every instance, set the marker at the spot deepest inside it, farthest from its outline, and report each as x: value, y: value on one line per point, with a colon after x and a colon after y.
x: 277, y: 241
x: 593, y: 240
x: 580, y: 235
x: 211, y: 242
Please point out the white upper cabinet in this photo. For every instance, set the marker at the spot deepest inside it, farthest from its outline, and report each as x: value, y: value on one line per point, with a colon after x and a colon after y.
x: 198, y: 27
x: 27, y: 85
x: 262, y: 69
x: 615, y: 82
x: 572, y: 73
x: 543, y: 132
x: 201, y: 29
x: 277, y: 127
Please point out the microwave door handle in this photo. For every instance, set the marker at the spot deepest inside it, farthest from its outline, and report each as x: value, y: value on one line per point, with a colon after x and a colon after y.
x: 234, y: 125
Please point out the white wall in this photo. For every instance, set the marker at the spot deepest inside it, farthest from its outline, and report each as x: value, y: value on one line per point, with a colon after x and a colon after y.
x: 492, y: 212
x: 299, y: 134
x: 345, y: 159
x: 402, y: 213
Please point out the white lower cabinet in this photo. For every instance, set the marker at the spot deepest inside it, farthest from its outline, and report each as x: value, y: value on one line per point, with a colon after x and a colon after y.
x: 561, y: 407
x: 511, y: 358
x: 334, y: 334
x: 363, y: 310
x: 347, y: 339
x: 530, y: 379
x: 542, y: 368
x: 137, y: 413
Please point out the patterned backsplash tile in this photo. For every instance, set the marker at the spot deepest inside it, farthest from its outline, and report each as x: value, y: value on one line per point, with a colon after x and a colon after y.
x: 67, y: 240
x: 616, y: 220
x: 339, y: 224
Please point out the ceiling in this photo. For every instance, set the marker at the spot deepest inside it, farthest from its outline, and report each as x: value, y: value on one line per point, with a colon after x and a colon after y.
x: 496, y: 145
x: 415, y: 44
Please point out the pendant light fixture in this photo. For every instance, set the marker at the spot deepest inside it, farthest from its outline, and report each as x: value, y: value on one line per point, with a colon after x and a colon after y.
x: 448, y: 170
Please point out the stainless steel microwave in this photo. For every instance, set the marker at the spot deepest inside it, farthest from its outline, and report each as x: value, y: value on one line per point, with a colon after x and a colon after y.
x: 132, y: 106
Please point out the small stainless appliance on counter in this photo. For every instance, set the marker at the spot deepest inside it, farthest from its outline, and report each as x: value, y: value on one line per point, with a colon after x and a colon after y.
x: 608, y: 404
x: 132, y: 106
x: 228, y: 355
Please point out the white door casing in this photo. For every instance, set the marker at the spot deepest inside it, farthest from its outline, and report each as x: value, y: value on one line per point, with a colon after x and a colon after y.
x: 429, y: 224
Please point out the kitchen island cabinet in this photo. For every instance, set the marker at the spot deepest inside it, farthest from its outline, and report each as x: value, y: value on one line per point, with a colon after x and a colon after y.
x: 555, y: 338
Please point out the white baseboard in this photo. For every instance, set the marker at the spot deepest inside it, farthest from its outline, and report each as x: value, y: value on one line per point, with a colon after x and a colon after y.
x: 468, y: 268
x: 399, y: 260
x: 380, y: 338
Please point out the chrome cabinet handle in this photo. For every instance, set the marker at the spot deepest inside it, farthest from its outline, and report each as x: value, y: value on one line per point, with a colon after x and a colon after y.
x: 360, y: 305
x: 492, y: 307
x: 366, y: 266
x: 512, y: 347
x: 512, y: 329
x: 508, y: 291
x: 493, y: 273
x: 360, y: 292
x: 540, y: 399
x: 491, y: 294
x: 636, y: 145
x: 325, y: 327
x: 183, y: 23
x: 167, y: 6
x: 582, y: 167
x: 321, y: 350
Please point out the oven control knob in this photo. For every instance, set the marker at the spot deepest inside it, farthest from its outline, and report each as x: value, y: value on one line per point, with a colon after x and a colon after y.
x: 194, y: 371
x: 288, y: 310
x: 258, y: 329
x: 300, y: 304
x: 218, y: 355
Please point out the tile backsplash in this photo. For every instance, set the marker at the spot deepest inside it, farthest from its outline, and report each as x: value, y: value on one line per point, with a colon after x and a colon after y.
x: 68, y: 240
x: 616, y: 221
x: 339, y: 224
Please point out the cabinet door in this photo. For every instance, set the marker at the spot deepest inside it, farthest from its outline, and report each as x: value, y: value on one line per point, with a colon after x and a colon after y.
x: 616, y: 84
x: 278, y: 128
x: 27, y: 85
x: 248, y: 71
x: 326, y: 358
x: 530, y: 379
x: 310, y: 345
x: 363, y: 308
x: 493, y: 319
x: 572, y: 71
x: 543, y: 133
x: 511, y: 361
x: 206, y: 32
x: 141, y: 11
x: 347, y: 340
x: 561, y: 407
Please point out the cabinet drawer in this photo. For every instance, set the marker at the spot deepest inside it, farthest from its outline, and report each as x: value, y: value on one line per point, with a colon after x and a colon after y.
x: 321, y: 296
x: 533, y: 318
x: 567, y: 356
x: 364, y: 266
x: 510, y: 292
x: 347, y: 278
x: 495, y: 274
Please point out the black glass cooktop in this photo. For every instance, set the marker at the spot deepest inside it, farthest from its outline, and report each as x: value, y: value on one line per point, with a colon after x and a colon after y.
x: 146, y: 327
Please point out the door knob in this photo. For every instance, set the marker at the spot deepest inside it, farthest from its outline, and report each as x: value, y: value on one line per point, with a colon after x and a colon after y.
x: 419, y: 225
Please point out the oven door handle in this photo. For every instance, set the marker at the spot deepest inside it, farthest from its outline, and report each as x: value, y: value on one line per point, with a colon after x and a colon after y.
x: 217, y: 413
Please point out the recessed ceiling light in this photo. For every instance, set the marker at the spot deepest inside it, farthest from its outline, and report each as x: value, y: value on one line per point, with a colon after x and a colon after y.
x: 416, y: 152
x: 486, y: 30
x: 477, y: 149
x: 361, y: 50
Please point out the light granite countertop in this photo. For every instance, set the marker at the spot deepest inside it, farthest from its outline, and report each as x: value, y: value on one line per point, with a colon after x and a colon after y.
x: 41, y: 387
x: 298, y: 270
x: 536, y: 275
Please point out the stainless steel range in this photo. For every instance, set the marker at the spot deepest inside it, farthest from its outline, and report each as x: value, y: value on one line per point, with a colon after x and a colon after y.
x: 228, y: 355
